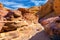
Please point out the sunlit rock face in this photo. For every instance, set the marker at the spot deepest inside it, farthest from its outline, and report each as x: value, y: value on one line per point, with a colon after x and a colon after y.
x: 30, y: 14
x: 20, y: 24
x: 3, y: 11
x: 34, y: 9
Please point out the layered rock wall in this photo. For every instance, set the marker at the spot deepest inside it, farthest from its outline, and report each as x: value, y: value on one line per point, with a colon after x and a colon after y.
x: 23, y: 23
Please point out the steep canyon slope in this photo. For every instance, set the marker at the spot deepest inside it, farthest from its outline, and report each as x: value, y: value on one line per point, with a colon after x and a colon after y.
x: 23, y: 24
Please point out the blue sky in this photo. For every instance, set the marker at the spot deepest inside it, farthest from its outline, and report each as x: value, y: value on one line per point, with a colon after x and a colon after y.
x: 14, y: 4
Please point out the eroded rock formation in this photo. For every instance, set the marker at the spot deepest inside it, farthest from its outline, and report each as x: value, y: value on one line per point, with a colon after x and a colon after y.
x: 50, y: 9
x: 22, y: 24
x: 52, y: 27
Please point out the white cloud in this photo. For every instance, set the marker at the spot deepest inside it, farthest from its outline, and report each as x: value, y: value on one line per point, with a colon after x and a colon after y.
x: 19, y: 6
x: 13, y: 5
x: 9, y: 3
x: 38, y: 2
x: 9, y: 8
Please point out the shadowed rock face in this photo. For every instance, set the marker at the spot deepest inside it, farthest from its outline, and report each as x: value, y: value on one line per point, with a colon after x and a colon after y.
x: 52, y: 27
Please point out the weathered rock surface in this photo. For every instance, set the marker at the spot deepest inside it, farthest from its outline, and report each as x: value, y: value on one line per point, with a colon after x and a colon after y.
x: 22, y: 24
x: 18, y: 24
x: 46, y: 9
x: 52, y: 27
x: 51, y: 8
x: 57, y: 7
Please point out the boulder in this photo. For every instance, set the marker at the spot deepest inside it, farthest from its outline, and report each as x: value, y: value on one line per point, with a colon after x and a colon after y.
x: 52, y: 27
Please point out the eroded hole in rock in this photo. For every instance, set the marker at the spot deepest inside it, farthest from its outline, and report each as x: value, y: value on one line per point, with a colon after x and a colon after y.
x: 11, y: 27
x: 16, y: 16
x: 58, y: 21
x: 8, y: 27
x: 11, y: 23
x: 37, y: 29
